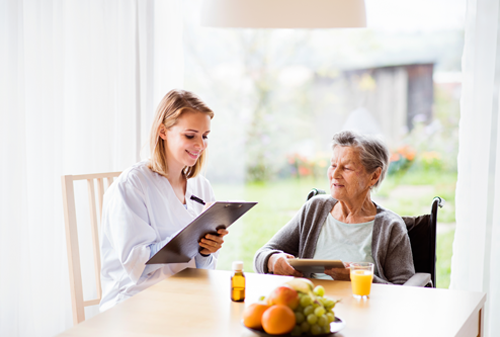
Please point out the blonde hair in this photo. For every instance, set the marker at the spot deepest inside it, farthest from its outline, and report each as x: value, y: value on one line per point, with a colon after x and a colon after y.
x: 171, y: 107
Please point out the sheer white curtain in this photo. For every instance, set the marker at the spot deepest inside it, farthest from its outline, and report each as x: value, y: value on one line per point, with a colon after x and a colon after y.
x: 79, y: 82
x: 476, y: 250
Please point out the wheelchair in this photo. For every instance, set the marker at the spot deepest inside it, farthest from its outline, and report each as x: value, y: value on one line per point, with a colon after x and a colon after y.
x: 422, y: 234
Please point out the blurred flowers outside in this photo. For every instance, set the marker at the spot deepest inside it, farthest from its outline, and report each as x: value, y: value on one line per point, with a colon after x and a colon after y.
x: 401, y: 160
x: 300, y: 166
x: 431, y: 160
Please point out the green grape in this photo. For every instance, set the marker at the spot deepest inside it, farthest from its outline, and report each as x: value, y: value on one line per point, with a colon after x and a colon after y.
x: 329, y: 303
x: 308, y: 310
x: 327, y: 328
x: 305, y: 300
x: 316, y: 329
x: 304, y: 327
x: 330, y: 316
x: 312, y: 319
x: 299, y: 308
x: 296, y: 331
x: 322, y: 321
x: 319, y: 311
x: 319, y: 291
x: 299, y: 317
x: 316, y: 305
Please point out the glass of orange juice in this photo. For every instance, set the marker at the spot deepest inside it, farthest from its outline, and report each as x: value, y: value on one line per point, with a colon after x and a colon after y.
x: 361, y: 279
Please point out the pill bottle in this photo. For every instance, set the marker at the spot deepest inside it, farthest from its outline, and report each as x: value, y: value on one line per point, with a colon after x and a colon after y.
x: 238, y: 282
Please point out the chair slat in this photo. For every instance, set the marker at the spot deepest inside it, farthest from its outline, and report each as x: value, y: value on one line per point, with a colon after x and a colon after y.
x: 100, y: 196
x: 110, y: 181
x: 91, y: 302
x: 95, y: 235
x: 96, y: 175
x: 75, y: 274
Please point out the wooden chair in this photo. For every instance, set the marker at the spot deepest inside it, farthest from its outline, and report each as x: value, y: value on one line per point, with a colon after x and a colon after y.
x: 75, y: 275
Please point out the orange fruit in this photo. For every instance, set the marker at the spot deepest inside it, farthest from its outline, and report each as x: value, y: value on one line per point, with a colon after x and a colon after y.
x: 252, y: 316
x: 278, y: 319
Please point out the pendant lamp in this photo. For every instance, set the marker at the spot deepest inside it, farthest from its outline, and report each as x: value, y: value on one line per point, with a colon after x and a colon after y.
x: 284, y: 13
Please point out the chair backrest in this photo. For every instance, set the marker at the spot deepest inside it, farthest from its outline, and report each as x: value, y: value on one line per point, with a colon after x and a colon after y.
x: 422, y: 234
x: 75, y: 274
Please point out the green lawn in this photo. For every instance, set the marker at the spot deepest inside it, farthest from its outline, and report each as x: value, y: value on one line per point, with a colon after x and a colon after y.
x: 277, y: 203
x: 279, y: 200
x: 412, y: 193
x: 443, y: 263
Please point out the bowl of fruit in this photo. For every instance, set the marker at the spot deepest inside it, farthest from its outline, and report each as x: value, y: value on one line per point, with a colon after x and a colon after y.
x: 294, y: 309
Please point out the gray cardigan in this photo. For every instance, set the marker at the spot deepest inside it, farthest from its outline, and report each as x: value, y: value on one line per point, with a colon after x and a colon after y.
x: 391, y: 248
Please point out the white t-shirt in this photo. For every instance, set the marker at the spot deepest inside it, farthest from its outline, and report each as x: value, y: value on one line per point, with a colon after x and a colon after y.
x: 342, y: 241
x: 140, y: 209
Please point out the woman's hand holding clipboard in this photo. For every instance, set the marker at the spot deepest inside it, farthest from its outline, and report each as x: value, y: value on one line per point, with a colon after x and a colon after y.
x: 186, y: 244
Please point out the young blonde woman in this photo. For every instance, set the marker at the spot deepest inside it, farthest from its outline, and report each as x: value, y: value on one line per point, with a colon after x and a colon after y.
x: 151, y: 201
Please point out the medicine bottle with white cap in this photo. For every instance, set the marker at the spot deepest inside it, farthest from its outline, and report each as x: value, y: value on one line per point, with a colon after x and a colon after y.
x: 238, y: 282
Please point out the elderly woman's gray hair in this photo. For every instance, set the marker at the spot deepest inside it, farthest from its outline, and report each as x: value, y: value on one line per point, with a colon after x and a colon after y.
x: 373, y: 152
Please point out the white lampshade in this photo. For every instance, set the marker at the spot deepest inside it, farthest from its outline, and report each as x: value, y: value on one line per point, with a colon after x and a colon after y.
x: 284, y: 13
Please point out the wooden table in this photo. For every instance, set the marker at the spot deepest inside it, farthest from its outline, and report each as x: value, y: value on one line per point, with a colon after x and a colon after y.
x: 196, y: 302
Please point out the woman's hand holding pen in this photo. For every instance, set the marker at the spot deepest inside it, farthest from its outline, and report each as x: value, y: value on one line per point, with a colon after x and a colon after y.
x: 207, y: 205
x: 212, y: 243
x: 200, y: 201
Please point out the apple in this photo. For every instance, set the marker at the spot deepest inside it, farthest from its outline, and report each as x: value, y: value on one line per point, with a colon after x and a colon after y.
x: 284, y: 295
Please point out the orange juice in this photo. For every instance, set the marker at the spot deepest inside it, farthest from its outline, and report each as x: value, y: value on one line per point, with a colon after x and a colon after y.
x: 361, y: 282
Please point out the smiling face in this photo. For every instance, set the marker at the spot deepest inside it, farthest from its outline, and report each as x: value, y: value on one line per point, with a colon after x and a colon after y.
x: 349, y: 181
x: 186, y: 140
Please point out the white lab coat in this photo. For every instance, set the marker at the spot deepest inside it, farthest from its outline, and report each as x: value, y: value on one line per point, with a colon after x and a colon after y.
x: 140, y: 209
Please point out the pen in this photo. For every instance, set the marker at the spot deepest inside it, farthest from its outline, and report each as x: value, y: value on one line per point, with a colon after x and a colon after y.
x: 198, y: 200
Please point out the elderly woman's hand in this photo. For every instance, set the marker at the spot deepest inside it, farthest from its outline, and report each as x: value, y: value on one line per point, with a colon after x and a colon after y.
x: 278, y: 265
x: 212, y: 243
x: 340, y: 274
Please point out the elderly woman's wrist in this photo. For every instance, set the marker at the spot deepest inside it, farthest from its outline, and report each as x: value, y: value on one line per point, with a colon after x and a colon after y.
x: 270, y: 263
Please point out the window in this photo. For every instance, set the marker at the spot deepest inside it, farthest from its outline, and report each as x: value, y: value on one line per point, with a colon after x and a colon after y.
x: 280, y: 95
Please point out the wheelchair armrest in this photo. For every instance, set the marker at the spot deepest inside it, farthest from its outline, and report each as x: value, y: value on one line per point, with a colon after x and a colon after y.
x: 419, y: 280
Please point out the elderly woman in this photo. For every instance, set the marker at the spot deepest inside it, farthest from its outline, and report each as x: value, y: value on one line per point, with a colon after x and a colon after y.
x: 345, y: 225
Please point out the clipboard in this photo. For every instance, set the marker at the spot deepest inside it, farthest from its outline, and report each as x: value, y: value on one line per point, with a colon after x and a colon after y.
x: 309, y: 266
x: 184, y: 246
